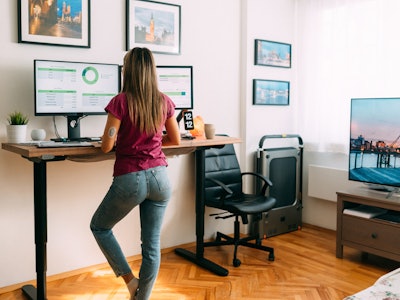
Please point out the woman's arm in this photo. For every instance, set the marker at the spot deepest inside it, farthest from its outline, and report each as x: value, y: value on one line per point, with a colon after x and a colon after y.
x: 173, y: 136
x: 110, y: 133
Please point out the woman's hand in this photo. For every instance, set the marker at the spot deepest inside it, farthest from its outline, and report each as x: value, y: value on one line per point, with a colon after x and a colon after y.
x: 173, y: 136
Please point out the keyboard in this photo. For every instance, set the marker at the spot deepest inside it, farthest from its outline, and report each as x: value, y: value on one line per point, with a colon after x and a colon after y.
x: 30, y: 143
x: 82, y: 139
x: 52, y: 144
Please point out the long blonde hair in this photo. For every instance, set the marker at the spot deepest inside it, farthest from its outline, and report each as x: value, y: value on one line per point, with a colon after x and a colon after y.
x: 145, y: 102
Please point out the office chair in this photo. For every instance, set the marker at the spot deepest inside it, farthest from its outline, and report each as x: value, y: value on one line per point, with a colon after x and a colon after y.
x: 223, y: 190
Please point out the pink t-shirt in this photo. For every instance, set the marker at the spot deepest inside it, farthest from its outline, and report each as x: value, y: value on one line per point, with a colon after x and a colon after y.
x: 136, y: 151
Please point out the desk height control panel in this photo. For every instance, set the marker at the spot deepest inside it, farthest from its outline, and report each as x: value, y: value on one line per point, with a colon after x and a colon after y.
x: 369, y: 221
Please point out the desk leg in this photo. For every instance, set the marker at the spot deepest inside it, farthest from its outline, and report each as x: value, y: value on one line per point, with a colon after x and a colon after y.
x: 40, y: 203
x: 198, y: 257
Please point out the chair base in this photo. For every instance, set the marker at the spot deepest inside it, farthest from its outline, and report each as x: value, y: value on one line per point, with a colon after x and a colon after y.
x: 224, y: 240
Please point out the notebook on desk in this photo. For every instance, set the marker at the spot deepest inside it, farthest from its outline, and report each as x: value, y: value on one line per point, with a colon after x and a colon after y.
x: 52, y: 144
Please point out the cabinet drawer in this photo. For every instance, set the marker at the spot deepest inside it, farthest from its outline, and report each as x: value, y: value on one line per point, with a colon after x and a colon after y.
x: 372, y: 233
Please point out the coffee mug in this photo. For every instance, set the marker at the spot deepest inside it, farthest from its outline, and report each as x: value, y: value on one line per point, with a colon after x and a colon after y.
x: 209, y: 130
x: 38, y: 134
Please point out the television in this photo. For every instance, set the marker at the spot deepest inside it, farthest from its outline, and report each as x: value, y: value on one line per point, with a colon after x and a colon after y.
x: 177, y: 83
x: 74, y: 90
x: 374, y: 152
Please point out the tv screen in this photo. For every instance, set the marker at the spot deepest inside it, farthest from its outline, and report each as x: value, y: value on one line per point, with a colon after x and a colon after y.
x: 177, y: 83
x: 74, y: 88
x: 374, y: 156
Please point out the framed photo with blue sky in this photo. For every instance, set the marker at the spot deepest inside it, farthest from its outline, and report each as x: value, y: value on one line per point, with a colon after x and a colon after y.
x: 273, y: 54
x: 270, y: 92
x: 54, y: 22
x: 154, y: 25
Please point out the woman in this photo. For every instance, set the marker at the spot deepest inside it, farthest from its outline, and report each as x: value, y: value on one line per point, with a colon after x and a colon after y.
x: 135, y: 123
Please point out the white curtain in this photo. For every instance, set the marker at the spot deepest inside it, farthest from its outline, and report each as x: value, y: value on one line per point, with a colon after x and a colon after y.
x: 345, y: 49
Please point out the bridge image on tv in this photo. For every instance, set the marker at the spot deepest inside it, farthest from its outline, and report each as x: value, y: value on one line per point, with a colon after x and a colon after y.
x: 379, y: 168
x: 374, y: 155
x: 389, y: 177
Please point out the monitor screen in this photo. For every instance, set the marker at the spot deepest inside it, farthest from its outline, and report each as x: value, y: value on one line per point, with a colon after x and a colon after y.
x: 74, y: 88
x: 177, y: 83
x: 374, y: 155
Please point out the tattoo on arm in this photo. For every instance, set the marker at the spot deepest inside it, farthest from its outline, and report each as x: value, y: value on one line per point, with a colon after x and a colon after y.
x: 111, y: 132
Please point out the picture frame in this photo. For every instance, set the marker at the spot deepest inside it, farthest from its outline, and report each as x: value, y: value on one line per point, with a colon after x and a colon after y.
x: 154, y: 25
x: 54, y: 22
x: 271, y: 92
x: 273, y: 54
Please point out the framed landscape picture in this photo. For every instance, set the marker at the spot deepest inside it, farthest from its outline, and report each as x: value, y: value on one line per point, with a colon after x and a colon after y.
x: 270, y: 92
x: 54, y: 22
x: 273, y: 54
x: 153, y: 25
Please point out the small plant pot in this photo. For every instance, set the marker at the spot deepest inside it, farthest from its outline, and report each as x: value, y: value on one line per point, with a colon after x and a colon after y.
x: 16, y: 133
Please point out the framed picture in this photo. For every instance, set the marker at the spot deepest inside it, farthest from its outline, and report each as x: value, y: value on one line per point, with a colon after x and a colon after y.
x: 54, y: 22
x: 153, y: 25
x: 270, y: 92
x: 272, y: 54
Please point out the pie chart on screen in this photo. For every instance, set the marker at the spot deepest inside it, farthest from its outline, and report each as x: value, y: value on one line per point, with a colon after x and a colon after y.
x: 90, y: 75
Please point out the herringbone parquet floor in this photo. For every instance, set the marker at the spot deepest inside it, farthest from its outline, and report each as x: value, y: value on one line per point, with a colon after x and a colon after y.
x: 305, y: 268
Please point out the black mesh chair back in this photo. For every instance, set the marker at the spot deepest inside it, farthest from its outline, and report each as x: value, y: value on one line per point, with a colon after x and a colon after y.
x: 221, y: 166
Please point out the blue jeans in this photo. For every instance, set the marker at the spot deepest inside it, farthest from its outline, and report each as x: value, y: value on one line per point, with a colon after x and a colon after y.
x: 150, y: 189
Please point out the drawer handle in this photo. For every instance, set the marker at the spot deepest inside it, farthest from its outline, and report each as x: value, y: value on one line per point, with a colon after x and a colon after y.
x: 374, y: 235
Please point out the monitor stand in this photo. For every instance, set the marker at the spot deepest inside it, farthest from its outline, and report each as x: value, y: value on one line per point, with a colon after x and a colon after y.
x: 74, y: 129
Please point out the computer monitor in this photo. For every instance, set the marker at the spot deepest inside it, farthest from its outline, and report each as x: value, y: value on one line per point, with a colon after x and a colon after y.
x: 74, y: 90
x: 177, y: 83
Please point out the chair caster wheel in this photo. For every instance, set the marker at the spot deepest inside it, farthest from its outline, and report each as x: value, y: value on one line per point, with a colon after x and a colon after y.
x: 271, y: 257
x: 236, y: 262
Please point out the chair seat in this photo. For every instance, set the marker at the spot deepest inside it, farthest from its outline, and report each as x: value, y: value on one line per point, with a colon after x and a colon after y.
x: 250, y: 204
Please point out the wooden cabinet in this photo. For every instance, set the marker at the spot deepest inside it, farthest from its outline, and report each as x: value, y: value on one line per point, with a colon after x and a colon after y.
x: 370, y: 235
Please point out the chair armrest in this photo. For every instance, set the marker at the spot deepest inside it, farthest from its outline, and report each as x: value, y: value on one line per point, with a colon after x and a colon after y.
x: 226, y: 189
x: 266, y: 180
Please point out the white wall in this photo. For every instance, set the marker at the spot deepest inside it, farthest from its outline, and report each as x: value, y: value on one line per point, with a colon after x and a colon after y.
x: 346, y: 49
x: 210, y: 42
x: 218, y: 40
x: 275, y: 21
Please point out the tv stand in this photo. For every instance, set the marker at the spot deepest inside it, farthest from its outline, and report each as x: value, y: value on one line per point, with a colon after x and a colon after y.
x: 394, y: 191
x: 383, y: 188
x: 371, y: 235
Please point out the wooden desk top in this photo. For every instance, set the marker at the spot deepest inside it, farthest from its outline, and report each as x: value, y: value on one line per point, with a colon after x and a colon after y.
x: 75, y: 153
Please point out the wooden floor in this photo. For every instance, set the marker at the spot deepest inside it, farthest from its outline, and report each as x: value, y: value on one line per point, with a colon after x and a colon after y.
x: 305, y: 267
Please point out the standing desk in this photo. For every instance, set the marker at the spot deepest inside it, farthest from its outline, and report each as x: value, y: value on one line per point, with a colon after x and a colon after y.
x: 41, y: 156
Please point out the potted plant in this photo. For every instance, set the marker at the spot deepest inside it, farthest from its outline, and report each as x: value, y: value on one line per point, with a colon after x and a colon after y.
x: 16, y: 128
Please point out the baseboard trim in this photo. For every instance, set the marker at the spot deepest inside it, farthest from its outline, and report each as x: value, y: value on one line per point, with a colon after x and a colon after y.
x: 88, y: 269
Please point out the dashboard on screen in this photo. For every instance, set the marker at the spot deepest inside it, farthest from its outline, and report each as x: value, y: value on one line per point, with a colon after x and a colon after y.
x: 74, y: 88
x: 177, y: 83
